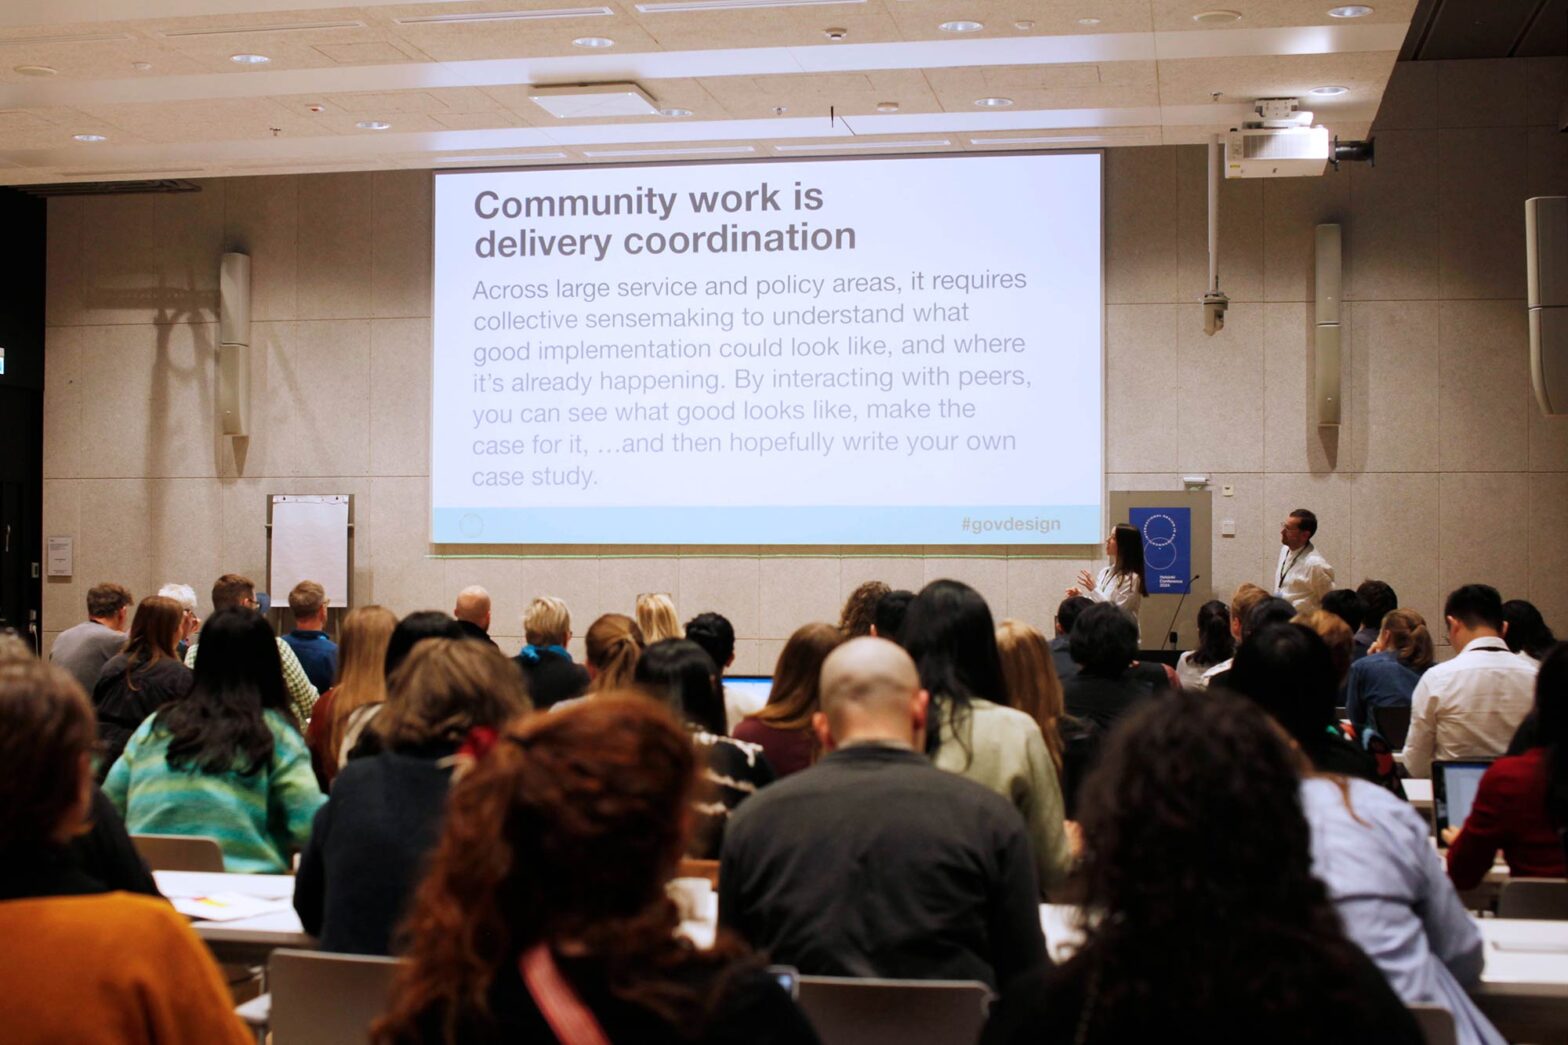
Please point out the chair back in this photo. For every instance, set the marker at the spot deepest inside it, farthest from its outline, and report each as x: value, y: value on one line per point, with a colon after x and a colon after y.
x: 327, y: 999
x: 852, y: 1011
x: 179, y: 852
x: 1393, y: 723
x: 1543, y: 898
x: 1436, y: 1023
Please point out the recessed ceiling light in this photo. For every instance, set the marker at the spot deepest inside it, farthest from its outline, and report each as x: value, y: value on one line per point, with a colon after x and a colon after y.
x: 1216, y: 17
x: 835, y: 33
x: 887, y: 107
x: 780, y: 110
x: 142, y: 67
x: 1350, y: 11
x: 1023, y: 24
x: 1088, y: 21
x: 993, y: 103
x: 1329, y: 92
x: 595, y: 42
x: 315, y: 107
x: 249, y: 59
x: 36, y: 70
x: 373, y: 125
x: 675, y: 112
x: 961, y: 26
x: 90, y: 137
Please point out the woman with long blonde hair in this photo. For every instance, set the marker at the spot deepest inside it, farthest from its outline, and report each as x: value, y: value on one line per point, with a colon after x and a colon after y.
x: 361, y: 683
x: 1032, y: 684
x: 614, y: 642
x: 657, y: 619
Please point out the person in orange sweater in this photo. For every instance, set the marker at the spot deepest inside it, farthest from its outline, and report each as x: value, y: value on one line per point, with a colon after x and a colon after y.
x: 85, y: 965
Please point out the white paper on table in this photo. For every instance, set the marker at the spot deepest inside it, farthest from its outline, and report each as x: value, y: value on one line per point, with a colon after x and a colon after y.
x: 226, y: 907
x: 310, y: 543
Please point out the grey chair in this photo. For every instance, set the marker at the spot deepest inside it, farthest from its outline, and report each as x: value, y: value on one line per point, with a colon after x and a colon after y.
x: 850, y: 1011
x: 326, y: 999
x: 179, y: 852
x: 1542, y: 898
x: 1436, y: 1023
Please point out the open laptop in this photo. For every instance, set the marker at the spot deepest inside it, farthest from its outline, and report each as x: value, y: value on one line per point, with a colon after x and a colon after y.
x: 1454, y: 785
x: 752, y: 690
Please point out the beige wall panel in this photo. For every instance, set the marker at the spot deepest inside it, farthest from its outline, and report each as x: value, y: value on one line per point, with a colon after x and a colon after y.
x: 1219, y: 385
x: 336, y: 233
x: 1140, y: 225
x: 795, y: 591
x: 1142, y: 397
x: 1481, y: 242
x: 1292, y: 209
x: 1548, y: 551
x: 1484, y: 529
x: 1480, y: 94
x: 1486, y: 392
x: 400, y: 397
x: 1391, y: 387
x: 64, y: 434
x: 149, y: 391
x: 1392, y: 246
x: 400, y: 244
x: 731, y: 587
x: 1396, y: 520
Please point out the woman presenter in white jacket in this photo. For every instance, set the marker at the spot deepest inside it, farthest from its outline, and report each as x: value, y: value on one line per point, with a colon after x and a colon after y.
x: 1121, y: 582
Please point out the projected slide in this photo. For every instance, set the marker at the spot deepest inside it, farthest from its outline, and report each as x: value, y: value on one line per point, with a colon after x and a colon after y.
x: 887, y: 351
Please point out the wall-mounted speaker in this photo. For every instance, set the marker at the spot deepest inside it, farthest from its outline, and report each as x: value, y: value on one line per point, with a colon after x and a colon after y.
x: 234, y: 344
x: 1546, y: 255
x: 1327, y: 371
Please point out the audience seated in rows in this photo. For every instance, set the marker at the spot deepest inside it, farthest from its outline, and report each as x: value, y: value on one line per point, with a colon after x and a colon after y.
x: 656, y: 618
x: 1061, y: 646
x: 1470, y: 706
x: 1525, y: 631
x: 1287, y: 670
x: 233, y: 591
x: 783, y: 728
x: 912, y: 872
x: 1209, y: 925
x: 716, y: 635
x: 1521, y: 807
x: 1029, y: 673
x: 548, y: 670
x: 344, y: 709
x: 317, y: 653
x: 614, y: 643
x: 83, y: 963
x: 140, y: 680
x: 888, y: 621
x: 1386, y: 677
x: 678, y: 674
x: 472, y: 613
x: 370, y: 842
x: 546, y: 896
x: 1107, y: 686
x: 1246, y: 598
x: 1378, y: 600
x: 859, y: 615
x: 971, y: 730
x: 83, y: 649
x: 227, y: 761
x: 1216, y: 645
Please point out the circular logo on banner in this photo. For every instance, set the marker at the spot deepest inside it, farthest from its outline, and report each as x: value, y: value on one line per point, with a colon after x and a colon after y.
x: 1159, y: 542
x: 471, y: 525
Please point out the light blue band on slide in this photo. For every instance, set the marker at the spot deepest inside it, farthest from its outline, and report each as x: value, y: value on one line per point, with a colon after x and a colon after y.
x: 850, y: 524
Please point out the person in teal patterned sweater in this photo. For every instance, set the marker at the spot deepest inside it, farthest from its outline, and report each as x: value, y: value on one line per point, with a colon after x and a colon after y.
x: 228, y: 761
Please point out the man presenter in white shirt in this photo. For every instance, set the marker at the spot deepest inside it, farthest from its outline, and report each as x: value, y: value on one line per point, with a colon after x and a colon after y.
x: 1303, y: 576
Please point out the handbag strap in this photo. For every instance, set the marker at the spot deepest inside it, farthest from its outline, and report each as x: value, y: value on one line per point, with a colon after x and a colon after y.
x: 558, y: 1003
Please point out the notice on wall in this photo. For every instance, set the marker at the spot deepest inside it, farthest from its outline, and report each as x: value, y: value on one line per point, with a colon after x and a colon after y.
x: 58, y: 555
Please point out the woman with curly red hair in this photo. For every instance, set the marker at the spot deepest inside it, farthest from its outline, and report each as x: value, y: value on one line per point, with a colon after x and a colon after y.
x: 544, y: 916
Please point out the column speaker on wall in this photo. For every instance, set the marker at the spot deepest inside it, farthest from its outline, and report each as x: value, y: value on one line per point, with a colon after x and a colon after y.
x: 234, y: 344
x: 1546, y: 255
x: 1326, y: 354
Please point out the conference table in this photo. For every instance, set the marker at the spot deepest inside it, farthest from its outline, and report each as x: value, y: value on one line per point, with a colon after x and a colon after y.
x: 1524, y: 988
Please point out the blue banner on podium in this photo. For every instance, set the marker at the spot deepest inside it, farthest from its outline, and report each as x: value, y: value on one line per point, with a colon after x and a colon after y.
x: 1167, y: 548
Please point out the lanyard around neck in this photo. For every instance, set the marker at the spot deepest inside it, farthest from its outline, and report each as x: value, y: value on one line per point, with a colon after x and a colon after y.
x: 1290, y: 564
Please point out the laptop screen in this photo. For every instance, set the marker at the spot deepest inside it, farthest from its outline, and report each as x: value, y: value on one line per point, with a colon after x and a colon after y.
x: 1454, y: 785
x: 751, y: 691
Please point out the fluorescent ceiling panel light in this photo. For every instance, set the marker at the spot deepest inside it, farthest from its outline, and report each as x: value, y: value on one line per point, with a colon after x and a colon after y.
x: 249, y: 59
x: 1350, y: 11
x: 1216, y: 17
x: 373, y: 125
x: 519, y: 158
x: 1041, y: 140
x: 672, y: 6
x: 674, y: 113
x: 1329, y: 92
x: 993, y: 103
x: 706, y: 151
x: 962, y: 25
x: 594, y: 100
x: 280, y: 27
x: 90, y: 137
x: 36, y: 70
x: 847, y: 146
x: 71, y: 38
x: 508, y: 16
x: 593, y: 43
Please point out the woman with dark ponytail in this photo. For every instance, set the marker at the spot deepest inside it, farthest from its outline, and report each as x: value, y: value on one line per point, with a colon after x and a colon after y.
x: 1216, y: 645
x: 544, y: 916
x: 1521, y: 806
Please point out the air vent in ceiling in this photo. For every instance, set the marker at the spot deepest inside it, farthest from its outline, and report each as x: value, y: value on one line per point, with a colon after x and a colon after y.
x: 247, y: 30
x: 109, y: 188
x: 71, y: 38
x: 508, y: 16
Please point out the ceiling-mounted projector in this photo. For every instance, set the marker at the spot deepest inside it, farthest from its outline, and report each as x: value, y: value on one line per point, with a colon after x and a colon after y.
x: 1281, y: 143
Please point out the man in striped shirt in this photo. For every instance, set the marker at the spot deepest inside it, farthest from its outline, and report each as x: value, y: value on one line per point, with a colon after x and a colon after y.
x: 234, y: 590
